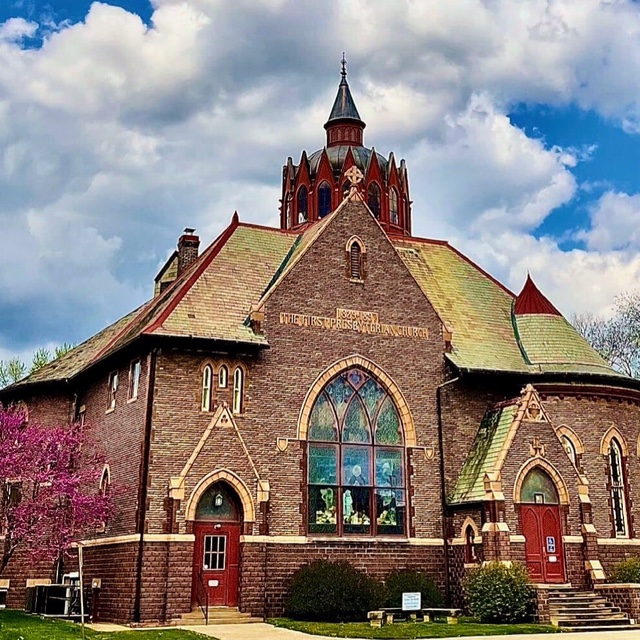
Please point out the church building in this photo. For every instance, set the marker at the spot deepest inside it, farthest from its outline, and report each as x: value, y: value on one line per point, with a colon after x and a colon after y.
x: 338, y: 388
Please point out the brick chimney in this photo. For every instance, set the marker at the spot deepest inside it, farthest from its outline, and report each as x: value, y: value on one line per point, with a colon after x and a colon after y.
x: 188, y: 245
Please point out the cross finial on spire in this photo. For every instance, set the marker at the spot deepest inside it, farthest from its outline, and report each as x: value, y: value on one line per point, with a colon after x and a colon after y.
x: 344, y: 67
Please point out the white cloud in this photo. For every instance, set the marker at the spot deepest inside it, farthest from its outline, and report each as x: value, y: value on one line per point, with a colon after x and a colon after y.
x: 114, y: 135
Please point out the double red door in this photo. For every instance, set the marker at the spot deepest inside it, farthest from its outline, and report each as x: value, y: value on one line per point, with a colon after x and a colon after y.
x: 543, y: 546
x: 215, y: 563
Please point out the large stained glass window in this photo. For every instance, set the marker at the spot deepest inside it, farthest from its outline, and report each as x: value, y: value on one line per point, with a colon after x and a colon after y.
x: 356, y: 460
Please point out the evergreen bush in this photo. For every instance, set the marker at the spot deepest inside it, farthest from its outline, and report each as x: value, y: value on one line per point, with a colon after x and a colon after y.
x: 499, y: 593
x: 326, y: 591
x: 410, y: 580
x: 626, y: 571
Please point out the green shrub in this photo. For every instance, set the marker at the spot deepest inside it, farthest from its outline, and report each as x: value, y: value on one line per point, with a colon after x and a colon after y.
x: 332, y: 592
x: 626, y: 571
x: 499, y: 593
x: 410, y: 580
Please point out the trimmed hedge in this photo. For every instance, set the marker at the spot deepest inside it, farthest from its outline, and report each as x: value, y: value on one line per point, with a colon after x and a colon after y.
x: 626, y: 571
x: 326, y: 591
x: 499, y: 593
x: 410, y: 580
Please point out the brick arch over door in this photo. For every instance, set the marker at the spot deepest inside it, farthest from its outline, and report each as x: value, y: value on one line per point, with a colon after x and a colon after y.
x: 545, y: 465
x: 342, y: 365
x: 248, y: 508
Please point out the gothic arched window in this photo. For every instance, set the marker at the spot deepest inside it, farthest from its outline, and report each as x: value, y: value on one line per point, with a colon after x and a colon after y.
x: 373, y: 199
x: 207, y: 376
x: 570, y: 448
x: 324, y: 200
x: 223, y: 377
x: 355, y: 261
x: 393, y: 206
x: 303, y: 203
x: 356, y: 460
x: 469, y: 545
x: 617, y: 489
x: 238, y: 390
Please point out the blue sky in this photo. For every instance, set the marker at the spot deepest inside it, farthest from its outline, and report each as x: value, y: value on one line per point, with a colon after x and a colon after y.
x: 123, y: 122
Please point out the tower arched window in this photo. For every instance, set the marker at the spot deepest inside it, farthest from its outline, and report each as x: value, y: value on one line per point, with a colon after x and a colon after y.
x: 303, y: 204
x: 373, y: 199
x: 618, y: 489
x: 393, y: 206
x: 356, y: 459
x: 207, y: 377
x: 324, y: 200
x: 238, y: 390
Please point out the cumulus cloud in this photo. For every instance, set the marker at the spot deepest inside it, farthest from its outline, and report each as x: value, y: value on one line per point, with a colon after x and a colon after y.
x: 115, y: 134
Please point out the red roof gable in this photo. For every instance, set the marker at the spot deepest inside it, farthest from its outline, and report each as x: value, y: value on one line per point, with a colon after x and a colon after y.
x: 531, y: 300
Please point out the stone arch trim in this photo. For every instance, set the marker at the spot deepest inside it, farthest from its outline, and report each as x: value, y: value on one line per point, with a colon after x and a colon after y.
x: 406, y: 418
x: 469, y: 522
x: 564, y: 430
x: 248, y: 507
x: 612, y: 433
x: 561, y: 486
x: 354, y: 239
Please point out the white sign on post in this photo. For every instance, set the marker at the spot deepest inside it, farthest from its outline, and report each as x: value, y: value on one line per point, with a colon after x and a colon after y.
x: 411, y: 601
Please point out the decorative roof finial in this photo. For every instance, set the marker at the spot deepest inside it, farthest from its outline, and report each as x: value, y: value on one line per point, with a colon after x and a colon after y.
x: 344, y: 67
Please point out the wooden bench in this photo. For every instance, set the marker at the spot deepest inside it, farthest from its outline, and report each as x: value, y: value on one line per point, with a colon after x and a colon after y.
x: 388, y: 615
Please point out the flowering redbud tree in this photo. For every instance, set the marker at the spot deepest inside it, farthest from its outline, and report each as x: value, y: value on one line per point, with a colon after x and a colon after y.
x: 50, y: 492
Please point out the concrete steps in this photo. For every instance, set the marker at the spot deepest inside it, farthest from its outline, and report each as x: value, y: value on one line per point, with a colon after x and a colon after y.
x: 585, y: 611
x: 217, y: 615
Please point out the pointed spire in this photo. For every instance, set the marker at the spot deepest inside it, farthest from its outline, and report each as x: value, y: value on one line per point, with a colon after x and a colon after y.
x: 344, y: 112
x: 532, y: 301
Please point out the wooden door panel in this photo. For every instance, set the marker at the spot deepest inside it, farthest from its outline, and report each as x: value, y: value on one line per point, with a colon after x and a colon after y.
x: 553, y: 551
x: 533, y: 543
x: 543, y: 542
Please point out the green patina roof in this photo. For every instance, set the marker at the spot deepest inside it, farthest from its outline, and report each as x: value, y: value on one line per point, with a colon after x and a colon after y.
x: 482, y: 459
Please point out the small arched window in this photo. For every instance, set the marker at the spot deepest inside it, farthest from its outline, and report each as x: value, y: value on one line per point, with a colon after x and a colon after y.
x: 346, y: 187
x: 287, y: 212
x: 469, y: 545
x: 303, y: 203
x: 223, y: 377
x: 207, y: 376
x: 105, y: 481
x: 618, y: 489
x: 570, y: 448
x: 373, y: 199
x: 324, y: 200
x: 393, y: 206
x: 238, y: 390
x: 355, y: 261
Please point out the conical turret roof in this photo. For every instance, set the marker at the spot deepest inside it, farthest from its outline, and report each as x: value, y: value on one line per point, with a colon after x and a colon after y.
x: 532, y: 301
x: 344, y: 107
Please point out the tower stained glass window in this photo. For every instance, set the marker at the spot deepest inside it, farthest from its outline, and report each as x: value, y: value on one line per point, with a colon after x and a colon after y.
x: 373, y: 199
x: 356, y: 459
x: 303, y: 203
x: 324, y: 200
x: 393, y: 206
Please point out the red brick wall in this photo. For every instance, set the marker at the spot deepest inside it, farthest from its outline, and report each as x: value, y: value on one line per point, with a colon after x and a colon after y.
x: 265, y: 580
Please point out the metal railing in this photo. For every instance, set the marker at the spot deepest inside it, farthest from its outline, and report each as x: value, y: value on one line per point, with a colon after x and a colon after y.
x: 202, y: 595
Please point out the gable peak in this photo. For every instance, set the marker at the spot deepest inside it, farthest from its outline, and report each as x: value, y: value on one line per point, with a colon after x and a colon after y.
x: 532, y: 301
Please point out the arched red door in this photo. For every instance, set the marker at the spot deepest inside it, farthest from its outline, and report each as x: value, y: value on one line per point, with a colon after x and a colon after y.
x: 216, y: 555
x: 542, y: 528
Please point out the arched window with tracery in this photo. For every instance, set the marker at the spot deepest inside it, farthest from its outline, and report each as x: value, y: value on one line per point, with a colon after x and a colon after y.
x: 393, y: 206
x: 356, y: 459
x: 207, y: 377
x: 324, y: 200
x: 373, y: 199
x: 303, y: 203
x: 617, y: 489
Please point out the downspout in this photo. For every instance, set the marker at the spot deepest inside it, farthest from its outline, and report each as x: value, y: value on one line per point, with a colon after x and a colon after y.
x: 144, y: 478
x: 442, y: 482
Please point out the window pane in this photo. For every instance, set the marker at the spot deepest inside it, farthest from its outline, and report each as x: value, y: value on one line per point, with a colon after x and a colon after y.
x: 340, y: 392
x: 538, y: 482
x: 322, y: 464
x: 356, y: 427
x: 324, y: 200
x: 322, y: 424
x: 372, y: 394
x: 322, y: 510
x: 356, y: 510
x: 356, y: 463
x: 389, y: 468
x: 390, y: 511
x: 388, y: 429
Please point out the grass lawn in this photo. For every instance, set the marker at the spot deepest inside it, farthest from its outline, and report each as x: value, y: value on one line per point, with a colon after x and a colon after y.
x: 16, y: 625
x: 466, y: 627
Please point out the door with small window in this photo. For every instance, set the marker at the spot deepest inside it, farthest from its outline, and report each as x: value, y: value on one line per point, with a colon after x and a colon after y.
x: 216, y: 553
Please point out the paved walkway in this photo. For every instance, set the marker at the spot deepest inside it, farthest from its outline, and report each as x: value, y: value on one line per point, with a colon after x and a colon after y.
x: 261, y: 631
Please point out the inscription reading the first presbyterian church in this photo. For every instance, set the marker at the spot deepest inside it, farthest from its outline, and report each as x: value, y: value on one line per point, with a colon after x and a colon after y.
x: 353, y: 320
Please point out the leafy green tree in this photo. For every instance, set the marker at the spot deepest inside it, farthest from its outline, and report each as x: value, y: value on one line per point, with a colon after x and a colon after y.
x: 15, y: 369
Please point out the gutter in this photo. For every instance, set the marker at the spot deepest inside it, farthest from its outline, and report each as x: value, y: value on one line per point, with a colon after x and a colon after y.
x: 442, y: 481
x: 143, y: 480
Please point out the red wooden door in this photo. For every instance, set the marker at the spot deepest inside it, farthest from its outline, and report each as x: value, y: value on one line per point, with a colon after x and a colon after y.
x: 215, y: 563
x: 543, y: 546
